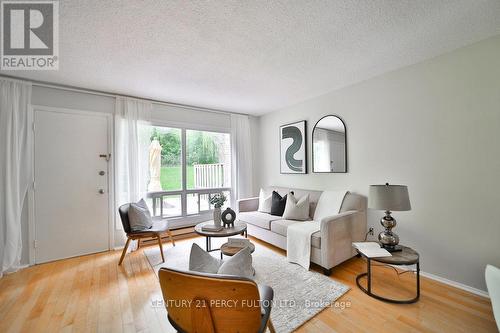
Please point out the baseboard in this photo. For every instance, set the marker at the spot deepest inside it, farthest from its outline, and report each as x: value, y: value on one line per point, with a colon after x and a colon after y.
x: 455, y: 284
x: 451, y: 283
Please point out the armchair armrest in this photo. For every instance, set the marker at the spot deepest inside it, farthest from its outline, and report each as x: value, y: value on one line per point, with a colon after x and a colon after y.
x: 266, y: 298
x: 337, y: 234
x: 248, y: 204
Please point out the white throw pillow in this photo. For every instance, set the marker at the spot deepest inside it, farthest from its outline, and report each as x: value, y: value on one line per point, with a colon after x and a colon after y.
x: 329, y: 204
x: 297, y: 209
x: 139, y: 216
x: 240, y: 264
x: 202, y: 261
x: 265, y: 201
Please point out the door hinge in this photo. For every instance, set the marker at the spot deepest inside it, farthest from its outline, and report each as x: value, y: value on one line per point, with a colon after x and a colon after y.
x: 34, y: 185
x: 35, y: 244
x: 33, y: 126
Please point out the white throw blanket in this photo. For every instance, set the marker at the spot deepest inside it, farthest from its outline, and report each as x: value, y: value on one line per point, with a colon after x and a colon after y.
x: 298, y: 235
x: 298, y: 242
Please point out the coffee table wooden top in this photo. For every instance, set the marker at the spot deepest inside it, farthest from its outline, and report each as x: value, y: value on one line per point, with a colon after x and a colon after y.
x: 238, y: 228
x: 231, y: 251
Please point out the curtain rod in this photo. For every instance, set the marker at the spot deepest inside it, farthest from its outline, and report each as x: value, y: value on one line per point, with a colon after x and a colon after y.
x: 110, y: 94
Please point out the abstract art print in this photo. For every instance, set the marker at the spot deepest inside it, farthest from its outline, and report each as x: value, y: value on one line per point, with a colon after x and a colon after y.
x: 293, y: 148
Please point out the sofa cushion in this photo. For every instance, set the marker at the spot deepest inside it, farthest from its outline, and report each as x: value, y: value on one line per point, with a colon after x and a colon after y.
x: 297, y: 209
x: 240, y: 264
x: 202, y: 261
x: 299, y: 193
x: 280, y: 227
x: 265, y: 201
x: 278, y: 204
x: 329, y: 204
x: 259, y: 219
x: 139, y: 216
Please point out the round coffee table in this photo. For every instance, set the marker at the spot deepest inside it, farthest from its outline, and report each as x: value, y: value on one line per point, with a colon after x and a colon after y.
x: 230, y: 251
x: 239, y: 228
x: 407, y: 256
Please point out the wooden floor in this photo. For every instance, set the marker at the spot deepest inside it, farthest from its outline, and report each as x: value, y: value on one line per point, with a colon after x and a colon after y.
x: 93, y: 294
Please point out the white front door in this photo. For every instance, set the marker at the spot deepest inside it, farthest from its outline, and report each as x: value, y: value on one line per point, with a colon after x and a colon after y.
x: 71, y: 214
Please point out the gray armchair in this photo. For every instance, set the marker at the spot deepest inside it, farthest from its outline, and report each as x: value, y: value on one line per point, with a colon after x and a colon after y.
x: 492, y: 276
x: 202, y: 302
x: 159, y: 228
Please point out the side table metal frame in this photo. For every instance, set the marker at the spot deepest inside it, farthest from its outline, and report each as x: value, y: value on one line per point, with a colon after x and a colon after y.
x: 208, y: 241
x: 369, y: 292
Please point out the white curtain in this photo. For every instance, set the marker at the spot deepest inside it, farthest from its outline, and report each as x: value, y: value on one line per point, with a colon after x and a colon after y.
x: 132, y: 134
x: 15, y: 168
x: 241, y: 153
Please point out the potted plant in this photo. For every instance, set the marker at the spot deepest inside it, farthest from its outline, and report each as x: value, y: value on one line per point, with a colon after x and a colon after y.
x: 218, y: 201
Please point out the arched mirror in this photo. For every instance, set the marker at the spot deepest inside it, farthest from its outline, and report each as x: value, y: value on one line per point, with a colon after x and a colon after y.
x: 329, y: 145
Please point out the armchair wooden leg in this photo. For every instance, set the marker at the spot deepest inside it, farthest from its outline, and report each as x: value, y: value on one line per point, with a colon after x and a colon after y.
x: 138, y: 244
x: 270, y: 326
x: 161, y: 247
x: 170, y: 236
x: 124, y: 251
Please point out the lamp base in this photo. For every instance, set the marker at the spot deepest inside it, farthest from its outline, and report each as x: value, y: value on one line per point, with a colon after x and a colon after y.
x: 388, y: 239
x: 395, y: 248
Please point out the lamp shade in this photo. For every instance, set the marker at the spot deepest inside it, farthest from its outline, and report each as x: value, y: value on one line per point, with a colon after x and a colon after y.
x: 389, y: 197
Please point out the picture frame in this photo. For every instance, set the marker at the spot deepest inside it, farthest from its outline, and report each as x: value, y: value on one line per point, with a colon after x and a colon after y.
x: 293, y: 148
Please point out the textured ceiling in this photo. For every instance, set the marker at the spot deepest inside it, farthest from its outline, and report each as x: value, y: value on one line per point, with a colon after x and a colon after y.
x: 253, y: 56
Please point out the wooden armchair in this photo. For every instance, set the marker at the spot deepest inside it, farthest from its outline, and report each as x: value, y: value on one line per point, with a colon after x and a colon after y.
x: 159, y: 228
x: 209, y: 303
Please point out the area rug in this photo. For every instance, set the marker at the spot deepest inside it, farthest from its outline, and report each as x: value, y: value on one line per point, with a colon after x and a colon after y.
x: 298, y: 294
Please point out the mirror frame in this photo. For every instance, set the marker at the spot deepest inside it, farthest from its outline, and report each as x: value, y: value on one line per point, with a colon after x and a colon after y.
x: 345, y: 150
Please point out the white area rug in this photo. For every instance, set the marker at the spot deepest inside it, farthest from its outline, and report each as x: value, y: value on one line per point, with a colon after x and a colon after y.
x: 298, y: 294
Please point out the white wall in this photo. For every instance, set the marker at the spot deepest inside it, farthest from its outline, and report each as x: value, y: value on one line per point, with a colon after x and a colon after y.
x: 435, y: 127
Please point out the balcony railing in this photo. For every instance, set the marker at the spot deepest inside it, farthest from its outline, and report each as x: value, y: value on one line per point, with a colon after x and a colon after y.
x: 209, y: 175
x: 160, y: 201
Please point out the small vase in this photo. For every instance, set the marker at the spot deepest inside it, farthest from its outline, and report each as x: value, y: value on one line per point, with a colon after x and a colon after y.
x: 217, y: 216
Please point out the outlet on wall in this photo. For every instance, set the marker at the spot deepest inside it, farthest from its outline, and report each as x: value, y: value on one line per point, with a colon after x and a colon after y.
x: 370, y: 231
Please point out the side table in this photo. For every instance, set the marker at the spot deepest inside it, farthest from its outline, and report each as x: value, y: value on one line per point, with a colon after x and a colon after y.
x: 407, y: 256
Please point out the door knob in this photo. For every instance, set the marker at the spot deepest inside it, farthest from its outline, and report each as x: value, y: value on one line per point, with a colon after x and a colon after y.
x: 102, y: 173
x: 101, y: 191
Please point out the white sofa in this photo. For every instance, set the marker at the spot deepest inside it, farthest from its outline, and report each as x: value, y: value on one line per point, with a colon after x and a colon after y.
x: 330, y: 246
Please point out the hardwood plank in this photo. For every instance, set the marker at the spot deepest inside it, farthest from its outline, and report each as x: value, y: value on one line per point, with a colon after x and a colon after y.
x: 93, y: 294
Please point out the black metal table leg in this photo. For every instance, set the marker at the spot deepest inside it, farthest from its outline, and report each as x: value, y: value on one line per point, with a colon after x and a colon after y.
x: 207, y: 244
x: 418, y: 280
x: 369, y: 282
x: 368, y: 289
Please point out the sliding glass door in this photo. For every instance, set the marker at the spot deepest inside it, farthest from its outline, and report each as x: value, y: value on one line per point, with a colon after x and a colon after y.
x: 187, y: 167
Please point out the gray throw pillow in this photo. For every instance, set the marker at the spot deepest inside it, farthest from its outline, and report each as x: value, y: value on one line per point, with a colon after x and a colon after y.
x: 139, y: 216
x: 202, y: 261
x: 240, y: 264
x: 297, y: 209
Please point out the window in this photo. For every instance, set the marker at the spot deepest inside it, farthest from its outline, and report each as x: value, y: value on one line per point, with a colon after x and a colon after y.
x: 168, y: 142
x: 208, y: 159
x: 187, y: 167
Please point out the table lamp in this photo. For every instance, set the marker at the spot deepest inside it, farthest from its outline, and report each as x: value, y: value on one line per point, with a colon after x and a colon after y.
x: 389, y: 198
